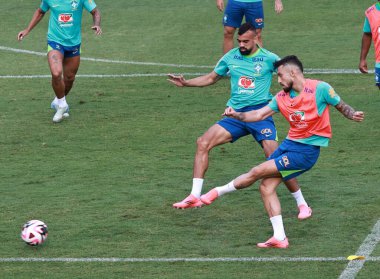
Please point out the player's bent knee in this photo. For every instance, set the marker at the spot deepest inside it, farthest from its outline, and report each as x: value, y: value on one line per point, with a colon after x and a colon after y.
x: 56, y: 75
x: 203, y: 144
x: 255, y: 174
x: 229, y: 32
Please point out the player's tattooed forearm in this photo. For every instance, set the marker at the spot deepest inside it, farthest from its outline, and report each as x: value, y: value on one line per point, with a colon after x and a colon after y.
x: 240, y: 116
x: 345, y: 109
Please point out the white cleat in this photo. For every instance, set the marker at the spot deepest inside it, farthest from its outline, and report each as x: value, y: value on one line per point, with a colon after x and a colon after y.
x: 60, y: 114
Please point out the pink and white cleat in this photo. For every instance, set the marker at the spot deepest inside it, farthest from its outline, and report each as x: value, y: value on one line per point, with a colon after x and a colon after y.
x: 209, y: 197
x: 305, y: 212
x: 190, y: 202
x: 274, y: 243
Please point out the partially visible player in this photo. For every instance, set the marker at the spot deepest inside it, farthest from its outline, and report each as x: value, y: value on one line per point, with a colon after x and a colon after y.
x: 253, y: 12
x: 371, y: 32
x: 64, y: 44
x: 251, y: 69
x: 305, y: 105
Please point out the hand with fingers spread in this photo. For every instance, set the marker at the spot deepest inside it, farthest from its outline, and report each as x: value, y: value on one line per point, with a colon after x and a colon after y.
x: 177, y: 80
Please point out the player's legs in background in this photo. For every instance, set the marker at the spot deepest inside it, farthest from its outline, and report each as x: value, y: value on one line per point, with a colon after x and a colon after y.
x: 215, y: 135
x: 259, y: 38
x: 70, y: 69
x: 254, y: 14
x: 232, y: 18
x: 269, y: 146
x: 55, y: 59
x: 228, y: 38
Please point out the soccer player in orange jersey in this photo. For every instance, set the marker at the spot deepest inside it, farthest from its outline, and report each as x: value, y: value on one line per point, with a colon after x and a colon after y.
x: 371, y: 32
x: 305, y: 105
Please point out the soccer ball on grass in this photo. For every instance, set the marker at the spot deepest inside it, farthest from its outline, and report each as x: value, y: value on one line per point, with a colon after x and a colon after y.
x: 34, y: 232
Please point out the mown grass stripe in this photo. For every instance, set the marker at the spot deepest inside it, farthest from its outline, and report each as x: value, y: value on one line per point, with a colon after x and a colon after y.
x: 226, y: 259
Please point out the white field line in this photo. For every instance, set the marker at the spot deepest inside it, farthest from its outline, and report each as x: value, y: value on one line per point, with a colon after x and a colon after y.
x: 307, y: 71
x: 242, y: 259
x: 365, y: 249
x: 107, y: 60
x: 99, y: 76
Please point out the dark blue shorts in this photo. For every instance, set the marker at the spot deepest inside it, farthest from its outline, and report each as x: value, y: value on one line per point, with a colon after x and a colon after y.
x: 262, y: 130
x: 377, y: 76
x: 294, y: 158
x: 65, y: 50
x: 235, y: 11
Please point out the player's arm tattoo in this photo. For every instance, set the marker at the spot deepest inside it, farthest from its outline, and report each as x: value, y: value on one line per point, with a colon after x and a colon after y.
x: 240, y: 116
x: 345, y: 109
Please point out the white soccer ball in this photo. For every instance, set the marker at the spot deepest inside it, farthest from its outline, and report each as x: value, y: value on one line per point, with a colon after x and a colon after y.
x: 34, y: 232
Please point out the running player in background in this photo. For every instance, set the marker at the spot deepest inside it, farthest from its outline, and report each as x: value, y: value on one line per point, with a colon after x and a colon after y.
x: 251, y: 68
x: 253, y: 12
x: 305, y: 105
x: 371, y: 32
x: 64, y: 42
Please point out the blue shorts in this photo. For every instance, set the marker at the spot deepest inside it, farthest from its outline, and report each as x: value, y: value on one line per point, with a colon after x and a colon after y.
x: 377, y: 76
x: 262, y: 130
x: 253, y: 12
x: 294, y: 158
x: 65, y: 50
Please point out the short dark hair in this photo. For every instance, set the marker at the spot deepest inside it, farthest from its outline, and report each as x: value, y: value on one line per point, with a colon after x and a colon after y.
x: 247, y: 27
x: 290, y: 59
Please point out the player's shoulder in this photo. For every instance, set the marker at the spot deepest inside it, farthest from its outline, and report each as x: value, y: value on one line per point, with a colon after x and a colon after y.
x: 371, y: 9
x: 323, y: 85
x: 267, y: 53
x: 233, y: 54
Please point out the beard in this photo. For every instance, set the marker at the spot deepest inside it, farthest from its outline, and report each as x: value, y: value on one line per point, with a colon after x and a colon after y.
x: 245, y: 51
x: 288, y: 88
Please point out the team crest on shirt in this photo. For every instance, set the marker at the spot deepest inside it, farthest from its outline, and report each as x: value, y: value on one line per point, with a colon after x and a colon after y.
x: 258, y: 67
x: 74, y: 4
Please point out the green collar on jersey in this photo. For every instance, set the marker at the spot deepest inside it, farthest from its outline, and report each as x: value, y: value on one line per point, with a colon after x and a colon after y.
x: 255, y: 53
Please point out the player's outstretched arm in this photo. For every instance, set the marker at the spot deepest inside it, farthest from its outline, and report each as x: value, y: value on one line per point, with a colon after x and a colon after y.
x: 349, y: 112
x: 250, y: 116
x: 37, y: 16
x: 96, y: 17
x: 200, y: 81
x: 366, y: 44
x: 278, y: 7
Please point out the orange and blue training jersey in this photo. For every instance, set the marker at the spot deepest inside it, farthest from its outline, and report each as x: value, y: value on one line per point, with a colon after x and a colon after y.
x: 372, y: 25
x: 307, y: 112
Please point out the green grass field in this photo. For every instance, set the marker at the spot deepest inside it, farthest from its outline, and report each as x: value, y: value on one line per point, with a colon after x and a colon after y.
x: 104, y: 180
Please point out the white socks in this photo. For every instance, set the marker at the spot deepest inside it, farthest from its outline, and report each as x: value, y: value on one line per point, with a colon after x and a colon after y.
x: 226, y: 188
x: 278, y: 227
x: 197, y: 187
x: 62, y: 102
x: 299, y: 198
x: 198, y: 184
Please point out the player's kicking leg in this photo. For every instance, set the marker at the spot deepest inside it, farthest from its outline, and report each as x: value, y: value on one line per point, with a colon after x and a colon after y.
x: 304, y: 211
